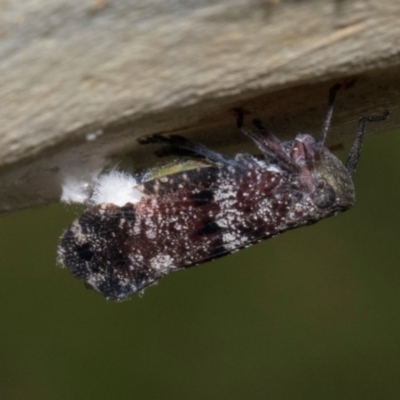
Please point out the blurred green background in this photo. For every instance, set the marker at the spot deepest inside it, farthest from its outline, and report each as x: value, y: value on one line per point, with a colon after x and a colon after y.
x: 311, y: 314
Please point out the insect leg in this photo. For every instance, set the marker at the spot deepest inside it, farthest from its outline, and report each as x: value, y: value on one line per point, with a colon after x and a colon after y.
x: 355, y: 151
x: 327, y: 122
x: 269, y: 145
x: 179, y: 142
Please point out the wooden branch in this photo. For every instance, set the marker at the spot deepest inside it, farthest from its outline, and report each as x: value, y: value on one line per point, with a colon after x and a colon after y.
x: 81, y: 81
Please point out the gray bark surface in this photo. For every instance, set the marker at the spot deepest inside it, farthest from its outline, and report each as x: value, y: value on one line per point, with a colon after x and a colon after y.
x: 81, y: 81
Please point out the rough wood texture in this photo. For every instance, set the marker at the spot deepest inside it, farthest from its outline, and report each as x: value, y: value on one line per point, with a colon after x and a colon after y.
x: 81, y: 81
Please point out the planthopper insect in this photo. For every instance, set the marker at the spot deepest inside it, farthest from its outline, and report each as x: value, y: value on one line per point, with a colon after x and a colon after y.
x: 137, y: 231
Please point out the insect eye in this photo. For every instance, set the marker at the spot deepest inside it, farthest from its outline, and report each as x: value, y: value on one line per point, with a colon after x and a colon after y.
x: 324, y: 196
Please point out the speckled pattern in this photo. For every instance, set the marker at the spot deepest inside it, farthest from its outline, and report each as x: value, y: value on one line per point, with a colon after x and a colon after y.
x: 190, y: 217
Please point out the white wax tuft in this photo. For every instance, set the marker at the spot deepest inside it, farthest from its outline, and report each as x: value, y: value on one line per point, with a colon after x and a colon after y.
x: 116, y: 187
x: 75, y: 191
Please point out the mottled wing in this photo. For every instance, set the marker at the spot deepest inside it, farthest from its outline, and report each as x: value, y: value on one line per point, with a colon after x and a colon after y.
x: 184, y: 219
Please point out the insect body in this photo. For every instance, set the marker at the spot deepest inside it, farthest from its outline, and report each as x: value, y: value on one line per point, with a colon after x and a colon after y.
x: 189, y: 217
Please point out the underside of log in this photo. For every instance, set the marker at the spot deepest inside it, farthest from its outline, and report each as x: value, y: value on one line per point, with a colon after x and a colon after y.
x: 80, y: 82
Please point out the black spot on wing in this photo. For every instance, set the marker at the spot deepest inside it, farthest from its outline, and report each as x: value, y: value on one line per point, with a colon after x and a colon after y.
x: 85, y: 252
x: 202, y: 198
x: 209, y: 228
x: 200, y: 179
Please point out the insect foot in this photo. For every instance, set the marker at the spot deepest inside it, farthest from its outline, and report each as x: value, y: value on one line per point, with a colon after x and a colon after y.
x: 174, y: 220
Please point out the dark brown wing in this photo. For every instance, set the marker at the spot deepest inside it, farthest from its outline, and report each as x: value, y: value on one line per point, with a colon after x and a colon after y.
x: 185, y: 219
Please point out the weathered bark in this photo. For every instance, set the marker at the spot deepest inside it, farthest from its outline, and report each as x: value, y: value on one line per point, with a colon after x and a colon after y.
x: 81, y: 81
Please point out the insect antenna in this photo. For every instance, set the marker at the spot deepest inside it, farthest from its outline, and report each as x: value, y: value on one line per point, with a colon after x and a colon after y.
x: 355, y: 151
